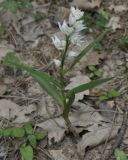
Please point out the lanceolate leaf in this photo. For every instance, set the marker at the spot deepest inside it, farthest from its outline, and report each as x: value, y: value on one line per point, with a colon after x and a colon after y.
x: 87, y: 49
x: 44, y: 80
x: 87, y: 86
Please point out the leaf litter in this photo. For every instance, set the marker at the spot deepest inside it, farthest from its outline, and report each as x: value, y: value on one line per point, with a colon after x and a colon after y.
x: 88, y: 122
x: 84, y: 119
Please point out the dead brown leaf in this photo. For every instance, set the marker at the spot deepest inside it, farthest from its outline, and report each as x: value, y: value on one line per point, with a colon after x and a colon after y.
x: 96, y: 137
x: 5, y: 48
x: 118, y: 8
x: 114, y: 23
x: 14, y: 112
x: 75, y: 82
x: 87, y: 4
x: 61, y: 14
x: 57, y: 155
x: 84, y: 118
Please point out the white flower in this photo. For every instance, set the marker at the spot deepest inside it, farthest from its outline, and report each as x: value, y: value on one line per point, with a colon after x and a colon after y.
x: 65, y: 28
x: 57, y: 62
x: 75, y: 15
x: 79, y: 26
x: 76, y: 39
x: 72, y: 54
x: 59, y: 44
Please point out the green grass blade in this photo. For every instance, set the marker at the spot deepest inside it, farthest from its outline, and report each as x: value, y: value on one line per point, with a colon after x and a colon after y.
x: 87, y: 86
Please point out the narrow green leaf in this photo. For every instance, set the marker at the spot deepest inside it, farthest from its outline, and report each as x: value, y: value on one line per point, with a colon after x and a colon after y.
x: 18, y: 132
x: 89, y: 85
x: 32, y: 140
x: 44, y: 80
x: 40, y: 135
x: 26, y: 152
x: 87, y: 49
x: 28, y: 128
x: 120, y: 155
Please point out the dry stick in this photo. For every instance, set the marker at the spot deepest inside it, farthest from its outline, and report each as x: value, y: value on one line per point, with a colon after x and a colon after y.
x: 120, y: 135
x: 111, y: 130
x: 46, y: 153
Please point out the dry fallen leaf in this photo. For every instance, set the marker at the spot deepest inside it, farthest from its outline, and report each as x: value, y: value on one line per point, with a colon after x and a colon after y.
x: 76, y: 81
x: 56, y: 129
x: 85, y: 118
x: 18, y: 114
x: 25, y: 113
x: 96, y: 137
x: 46, y: 107
x: 3, y: 89
x: 5, y: 48
x: 87, y: 4
x: 7, y: 109
x: 57, y: 155
x: 61, y: 14
x: 114, y: 23
x: 118, y: 8
x: 93, y: 58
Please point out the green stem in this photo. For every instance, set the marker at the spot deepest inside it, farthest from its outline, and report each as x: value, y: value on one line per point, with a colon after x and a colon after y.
x: 62, y: 82
x: 66, y: 108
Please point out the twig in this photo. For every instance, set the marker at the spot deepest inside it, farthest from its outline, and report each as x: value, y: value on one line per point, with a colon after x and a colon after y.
x: 119, y: 136
x: 46, y: 153
x: 111, y: 129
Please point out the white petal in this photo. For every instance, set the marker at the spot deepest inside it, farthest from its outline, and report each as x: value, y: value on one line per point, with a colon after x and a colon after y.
x: 79, y: 26
x: 76, y: 39
x: 75, y: 15
x: 57, y: 62
x: 59, y: 44
x: 65, y: 28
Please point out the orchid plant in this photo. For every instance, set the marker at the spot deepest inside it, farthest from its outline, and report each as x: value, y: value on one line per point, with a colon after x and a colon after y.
x: 56, y: 88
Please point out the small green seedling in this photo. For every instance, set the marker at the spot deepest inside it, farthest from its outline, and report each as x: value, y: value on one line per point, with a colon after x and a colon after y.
x: 99, y: 20
x: 110, y: 94
x: 102, y: 19
x: 123, y: 42
x: 94, y: 71
x: 27, y: 136
x: 120, y: 155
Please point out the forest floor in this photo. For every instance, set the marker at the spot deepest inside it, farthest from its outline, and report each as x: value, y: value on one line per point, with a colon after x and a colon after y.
x: 101, y: 124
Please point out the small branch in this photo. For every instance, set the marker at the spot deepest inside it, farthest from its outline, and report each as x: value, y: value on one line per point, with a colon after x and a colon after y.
x: 119, y: 136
